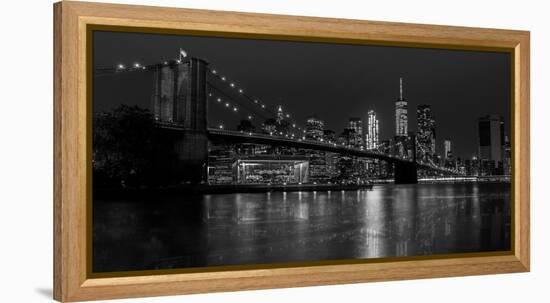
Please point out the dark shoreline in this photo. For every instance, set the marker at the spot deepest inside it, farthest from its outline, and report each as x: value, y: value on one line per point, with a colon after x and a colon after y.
x: 202, y: 189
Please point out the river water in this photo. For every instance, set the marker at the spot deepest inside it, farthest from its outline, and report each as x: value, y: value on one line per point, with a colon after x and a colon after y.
x: 261, y: 228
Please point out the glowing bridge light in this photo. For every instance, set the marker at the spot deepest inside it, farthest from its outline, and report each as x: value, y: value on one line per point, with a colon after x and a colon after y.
x: 263, y: 105
x: 256, y: 101
x: 210, y: 95
x: 234, y: 109
x: 165, y: 62
x: 219, y: 99
x: 249, y: 117
x: 232, y: 84
x: 287, y: 115
x: 240, y: 90
x: 226, y: 104
x: 137, y: 65
x: 293, y: 125
x: 220, y: 126
x: 120, y: 66
x: 214, y: 71
x: 223, y: 78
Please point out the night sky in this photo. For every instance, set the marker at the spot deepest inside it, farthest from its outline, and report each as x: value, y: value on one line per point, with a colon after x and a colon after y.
x: 332, y: 81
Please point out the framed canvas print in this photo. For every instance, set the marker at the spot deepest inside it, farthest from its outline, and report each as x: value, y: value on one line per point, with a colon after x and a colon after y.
x: 202, y: 151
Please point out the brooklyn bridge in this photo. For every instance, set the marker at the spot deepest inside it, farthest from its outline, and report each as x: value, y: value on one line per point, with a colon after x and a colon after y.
x: 186, y: 89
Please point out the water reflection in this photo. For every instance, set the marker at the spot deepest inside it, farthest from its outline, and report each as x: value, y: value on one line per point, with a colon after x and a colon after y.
x: 252, y: 228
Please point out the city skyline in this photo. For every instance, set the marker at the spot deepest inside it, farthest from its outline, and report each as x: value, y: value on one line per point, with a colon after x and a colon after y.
x: 366, y: 84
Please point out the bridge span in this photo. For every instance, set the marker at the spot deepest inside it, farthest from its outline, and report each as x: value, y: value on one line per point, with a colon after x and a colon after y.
x: 179, y: 106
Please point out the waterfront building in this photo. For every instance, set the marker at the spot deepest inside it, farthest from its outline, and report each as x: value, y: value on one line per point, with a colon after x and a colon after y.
x: 447, y: 148
x: 314, y: 128
x: 220, y: 162
x: 491, y: 143
x: 371, y: 137
x: 349, y: 137
x: 271, y: 169
x: 473, y: 167
x: 507, y: 157
x: 425, y: 133
x: 356, y: 124
x: 401, y: 122
x: 318, y: 168
x: 329, y: 135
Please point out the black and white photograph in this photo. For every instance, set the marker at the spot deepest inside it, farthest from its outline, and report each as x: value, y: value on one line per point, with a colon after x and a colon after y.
x: 212, y: 151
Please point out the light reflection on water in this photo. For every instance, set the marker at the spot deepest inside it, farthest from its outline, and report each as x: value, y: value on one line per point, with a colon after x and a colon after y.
x: 253, y: 228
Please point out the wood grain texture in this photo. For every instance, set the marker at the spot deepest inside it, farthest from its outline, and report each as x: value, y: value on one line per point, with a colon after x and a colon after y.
x: 71, y: 144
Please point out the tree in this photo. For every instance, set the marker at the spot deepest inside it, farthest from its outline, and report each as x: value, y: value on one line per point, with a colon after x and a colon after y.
x: 123, y: 147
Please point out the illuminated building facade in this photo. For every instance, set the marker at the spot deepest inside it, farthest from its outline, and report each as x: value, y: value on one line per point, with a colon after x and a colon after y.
x: 356, y: 124
x: 275, y: 170
x: 314, y: 128
x: 372, y: 130
x: 447, y: 149
x: 491, y: 144
x: 425, y: 133
x: 401, y: 122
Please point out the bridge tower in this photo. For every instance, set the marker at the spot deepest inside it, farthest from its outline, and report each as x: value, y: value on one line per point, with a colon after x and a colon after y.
x: 179, y: 104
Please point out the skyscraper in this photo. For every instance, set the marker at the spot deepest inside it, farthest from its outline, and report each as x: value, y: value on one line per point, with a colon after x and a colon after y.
x: 491, y: 141
x: 401, y: 128
x: 314, y: 128
x: 447, y: 149
x: 280, y: 114
x: 425, y: 132
x: 372, y: 130
x: 357, y: 125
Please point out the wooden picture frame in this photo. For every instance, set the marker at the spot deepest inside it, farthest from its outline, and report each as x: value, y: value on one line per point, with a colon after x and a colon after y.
x: 72, y: 279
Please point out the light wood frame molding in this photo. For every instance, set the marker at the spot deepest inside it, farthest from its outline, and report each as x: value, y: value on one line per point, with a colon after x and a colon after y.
x: 71, y: 144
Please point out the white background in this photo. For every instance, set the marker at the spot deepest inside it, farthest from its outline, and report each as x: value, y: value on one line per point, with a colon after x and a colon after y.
x: 26, y: 150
